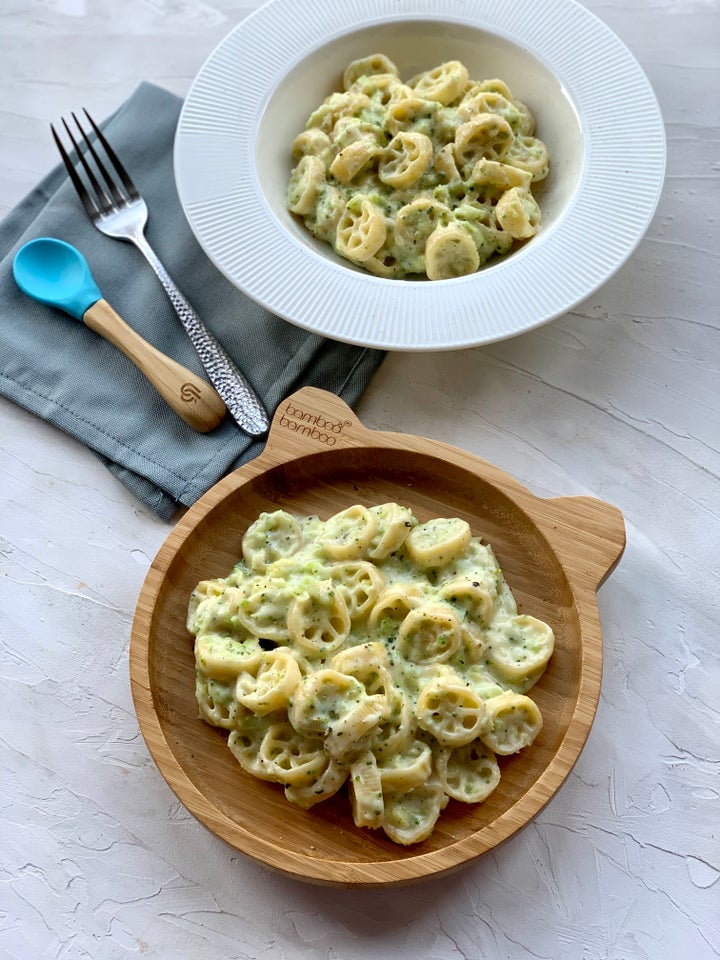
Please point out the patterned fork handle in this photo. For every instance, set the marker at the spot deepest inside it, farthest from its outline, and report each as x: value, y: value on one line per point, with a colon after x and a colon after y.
x: 239, y: 396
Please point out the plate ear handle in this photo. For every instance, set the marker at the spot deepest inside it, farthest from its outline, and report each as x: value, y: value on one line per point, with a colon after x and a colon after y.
x: 587, y: 533
x: 312, y: 421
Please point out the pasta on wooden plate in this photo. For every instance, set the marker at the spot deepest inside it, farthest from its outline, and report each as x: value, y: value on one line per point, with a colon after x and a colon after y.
x: 373, y: 651
x: 430, y: 176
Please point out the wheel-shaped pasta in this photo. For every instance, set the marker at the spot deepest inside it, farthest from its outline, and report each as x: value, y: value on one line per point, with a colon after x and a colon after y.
x: 288, y: 757
x: 380, y: 87
x: 361, y: 230
x: 305, y: 179
x: 410, y: 817
x: 352, y: 158
x: 263, y: 608
x: 366, y: 67
x: 416, y: 220
x: 474, y: 642
x: 429, y: 634
x: 318, y: 621
x: 403, y: 771
x: 368, y: 663
x: 321, y: 699
x: 520, y: 646
x: 444, y: 163
x: 486, y: 135
x: 327, y: 785
x: 518, y: 214
x: 329, y: 208
x: 485, y: 101
x: 224, y: 658
x: 312, y: 143
x: 366, y: 794
x: 513, y: 722
x: 440, y: 138
x: 451, y: 711
x: 205, y: 590
x: 443, y: 84
x: 451, y: 252
x: 271, y: 537
x: 216, y: 701
x: 437, y: 541
x: 529, y: 154
x: 469, y: 773
x: 271, y: 685
x: 351, y: 129
x: 361, y: 583
x: 405, y: 159
x: 217, y: 612
x: 410, y: 113
x: 348, y: 104
x: 350, y: 733
x: 393, y: 606
x: 399, y: 653
x: 394, y: 523
x: 245, y: 739
x: 349, y: 533
x: 472, y: 597
x: 396, y: 734
x: 499, y: 175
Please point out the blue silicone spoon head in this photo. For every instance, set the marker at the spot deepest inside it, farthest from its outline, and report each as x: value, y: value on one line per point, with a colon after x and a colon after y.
x: 53, y: 272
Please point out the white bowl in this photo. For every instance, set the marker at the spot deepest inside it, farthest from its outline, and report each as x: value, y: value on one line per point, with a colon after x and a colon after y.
x: 594, y: 109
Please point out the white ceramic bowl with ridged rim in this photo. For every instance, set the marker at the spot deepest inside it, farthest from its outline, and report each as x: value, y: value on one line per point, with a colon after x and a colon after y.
x: 594, y: 108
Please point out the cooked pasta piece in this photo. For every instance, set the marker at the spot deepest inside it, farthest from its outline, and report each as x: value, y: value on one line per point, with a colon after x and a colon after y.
x: 520, y: 645
x: 318, y: 621
x: 224, y: 658
x: 361, y: 230
x: 438, y: 541
x: 468, y: 773
x: 367, y: 66
x: 271, y: 685
x: 429, y: 634
x: 405, y: 159
x: 304, y: 182
x: 451, y: 711
x: 410, y: 817
x: 348, y: 534
x: 514, y: 721
x: 272, y: 536
x: 444, y: 83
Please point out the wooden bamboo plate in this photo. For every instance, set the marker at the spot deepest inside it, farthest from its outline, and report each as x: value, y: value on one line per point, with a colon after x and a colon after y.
x: 320, y: 459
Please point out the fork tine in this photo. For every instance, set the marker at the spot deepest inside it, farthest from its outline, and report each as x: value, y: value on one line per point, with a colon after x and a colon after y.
x: 116, y: 195
x: 91, y: 207
x: 121, y: 171
x: 104, y: 199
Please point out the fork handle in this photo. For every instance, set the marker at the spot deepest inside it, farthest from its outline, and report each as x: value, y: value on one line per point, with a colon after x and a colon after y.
x: 189, y: 395
x: 240, y: 398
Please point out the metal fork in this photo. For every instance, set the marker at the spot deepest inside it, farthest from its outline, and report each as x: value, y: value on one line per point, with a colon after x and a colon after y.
x: 122, y: 214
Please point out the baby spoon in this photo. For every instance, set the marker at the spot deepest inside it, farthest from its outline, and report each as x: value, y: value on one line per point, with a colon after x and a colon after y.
x: 51, y: 271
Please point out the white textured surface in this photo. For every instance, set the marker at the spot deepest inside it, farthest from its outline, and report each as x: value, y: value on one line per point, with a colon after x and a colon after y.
x: 246, y: 102
x: 618, y: 399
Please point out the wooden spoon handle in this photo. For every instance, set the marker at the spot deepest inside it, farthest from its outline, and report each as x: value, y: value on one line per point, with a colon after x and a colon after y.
x: 191, y: 397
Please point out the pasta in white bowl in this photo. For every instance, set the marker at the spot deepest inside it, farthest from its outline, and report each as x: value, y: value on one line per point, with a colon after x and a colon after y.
x: 370, y: 651
x: 594, y: 108
x: 430, y: 176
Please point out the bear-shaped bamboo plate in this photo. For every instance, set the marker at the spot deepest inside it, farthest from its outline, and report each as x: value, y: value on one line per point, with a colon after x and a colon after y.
x: 319, y: 459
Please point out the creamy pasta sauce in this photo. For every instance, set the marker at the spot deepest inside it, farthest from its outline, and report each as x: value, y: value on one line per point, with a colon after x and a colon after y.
x: 428, y: 176
x: 369, y: 651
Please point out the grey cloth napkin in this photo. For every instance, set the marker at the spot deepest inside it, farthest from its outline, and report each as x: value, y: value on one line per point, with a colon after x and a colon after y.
x: 60, y: 370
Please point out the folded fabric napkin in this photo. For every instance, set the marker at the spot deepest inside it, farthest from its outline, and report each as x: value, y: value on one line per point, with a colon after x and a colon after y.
x: 60, y: 370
